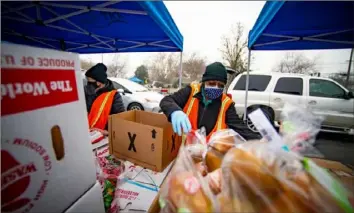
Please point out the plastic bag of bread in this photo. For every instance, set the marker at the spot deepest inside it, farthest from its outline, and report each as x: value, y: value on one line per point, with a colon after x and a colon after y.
x: 196, y: 144
x: 220, y: 142
x: 186, y: 189
x: 258, y: 178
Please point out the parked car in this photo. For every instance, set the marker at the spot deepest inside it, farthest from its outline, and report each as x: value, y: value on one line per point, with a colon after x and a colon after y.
x: 136, y: 96
x: 271, y: 90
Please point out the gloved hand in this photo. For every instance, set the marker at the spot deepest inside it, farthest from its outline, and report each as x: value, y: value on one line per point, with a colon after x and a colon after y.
x: 180, y: 120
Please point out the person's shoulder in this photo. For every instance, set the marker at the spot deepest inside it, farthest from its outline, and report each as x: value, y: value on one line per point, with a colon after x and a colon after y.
x: 117, y: 95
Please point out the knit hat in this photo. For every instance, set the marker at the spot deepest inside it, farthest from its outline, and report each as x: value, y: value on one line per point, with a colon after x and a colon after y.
x: 215, y: 72
x: 98, y: 72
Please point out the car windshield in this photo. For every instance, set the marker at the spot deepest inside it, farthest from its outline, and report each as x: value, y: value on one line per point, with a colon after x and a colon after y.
x: 132, y: 86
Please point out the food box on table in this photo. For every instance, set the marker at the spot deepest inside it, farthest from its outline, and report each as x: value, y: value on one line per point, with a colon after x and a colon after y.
x: 143, y: 138
x: 46, y: 156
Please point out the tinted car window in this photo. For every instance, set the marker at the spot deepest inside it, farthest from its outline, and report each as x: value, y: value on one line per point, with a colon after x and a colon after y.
x: 118, y: 86
x: 292, y: 86
x: 256, y: 82
x: 325, y: 89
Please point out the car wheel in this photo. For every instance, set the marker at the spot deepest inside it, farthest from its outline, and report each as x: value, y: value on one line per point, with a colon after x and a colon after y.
x: 135, y: 106
x: 267, y: 112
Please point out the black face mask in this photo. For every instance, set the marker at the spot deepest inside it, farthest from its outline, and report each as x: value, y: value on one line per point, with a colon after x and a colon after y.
x: 92, y: 84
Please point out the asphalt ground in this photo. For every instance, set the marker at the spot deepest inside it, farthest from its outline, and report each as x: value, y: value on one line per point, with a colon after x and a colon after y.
x: 337, y: 147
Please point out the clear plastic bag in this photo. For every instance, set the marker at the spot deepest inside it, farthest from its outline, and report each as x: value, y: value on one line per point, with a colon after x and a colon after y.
x: 220, y: 142
x: 109, y: 171
x: 186, y: 190
x: 258, y: 178
x: 196, y: 145
x: 299, y: 128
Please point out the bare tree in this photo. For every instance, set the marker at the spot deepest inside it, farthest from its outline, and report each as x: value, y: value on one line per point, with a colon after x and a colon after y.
x: 163, y: 67
x: 296, y: 63
x: 116, y: 68
x: 234, y: 48
x: 342, y: 77
x: 193, y: 67
x: 234, y: 51
x: 86, y: 64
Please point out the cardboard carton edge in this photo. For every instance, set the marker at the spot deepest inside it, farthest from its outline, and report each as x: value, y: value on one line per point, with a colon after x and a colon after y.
x: 110, y: 141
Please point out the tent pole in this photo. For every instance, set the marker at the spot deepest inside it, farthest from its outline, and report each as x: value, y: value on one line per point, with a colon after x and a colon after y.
x: 349, y: 66
x: 180, y: 72
x: 247, y: 83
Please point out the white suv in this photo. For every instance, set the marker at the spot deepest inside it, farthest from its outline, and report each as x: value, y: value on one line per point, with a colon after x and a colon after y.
x: 271, y: 90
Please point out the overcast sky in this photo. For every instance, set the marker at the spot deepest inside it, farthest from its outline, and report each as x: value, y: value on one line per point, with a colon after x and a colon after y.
x: 202, y: 25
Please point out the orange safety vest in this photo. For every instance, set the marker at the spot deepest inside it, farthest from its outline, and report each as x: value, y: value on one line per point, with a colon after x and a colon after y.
x: 192, y: 107
x: 100, y: 110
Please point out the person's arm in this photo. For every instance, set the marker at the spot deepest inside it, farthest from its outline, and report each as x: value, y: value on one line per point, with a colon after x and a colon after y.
x: 237, y: 124
x: 117, y: 105
x: 175, y: 101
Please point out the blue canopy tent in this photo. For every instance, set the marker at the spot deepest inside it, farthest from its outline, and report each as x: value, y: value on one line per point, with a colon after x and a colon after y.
x: 302, y: 25
x: 136, y: 79
x: 91, y: 26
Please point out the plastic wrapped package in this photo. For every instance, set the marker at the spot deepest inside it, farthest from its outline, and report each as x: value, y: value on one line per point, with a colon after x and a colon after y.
x: 214, y: 180
x: 196, y: 144
x: 186, y: 189
x: 258, y: 178
x: 299, y: 127
x: 220, y: 142
x: 108, y: 171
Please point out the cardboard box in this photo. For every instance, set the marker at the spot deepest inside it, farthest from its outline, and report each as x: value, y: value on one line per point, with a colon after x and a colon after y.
x: 46, y: 156
x: 146, y: 176
x: 134, y: 196
x: 338, y: 170
x: 90, y: 202
x: 143, y: 138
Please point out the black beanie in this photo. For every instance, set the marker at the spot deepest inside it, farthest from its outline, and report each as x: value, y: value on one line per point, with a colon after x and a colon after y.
x: 98, y: 72
x: 215, y: 72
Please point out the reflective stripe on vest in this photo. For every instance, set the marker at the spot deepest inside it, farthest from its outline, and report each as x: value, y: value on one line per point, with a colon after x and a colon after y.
x: 103, y: 105
x: 222, y: 112
x: 195, y: 90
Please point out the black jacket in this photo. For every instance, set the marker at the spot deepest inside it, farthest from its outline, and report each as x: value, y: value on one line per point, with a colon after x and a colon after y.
x: 207, y: 117
x: 91, y: 95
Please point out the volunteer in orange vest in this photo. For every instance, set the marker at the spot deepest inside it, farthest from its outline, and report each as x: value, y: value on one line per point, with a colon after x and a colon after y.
x: 205, y: 105
x: 102, y: 99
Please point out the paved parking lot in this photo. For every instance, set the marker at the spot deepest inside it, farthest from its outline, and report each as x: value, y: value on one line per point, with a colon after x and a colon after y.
x: 338, y: 147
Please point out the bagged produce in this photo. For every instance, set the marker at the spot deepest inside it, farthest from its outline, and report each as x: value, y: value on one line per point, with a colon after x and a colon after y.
x: 256, y: 178
x: 186, y: 189
x: 268, y: 177
x: 108, y: 171
x: 196, y: 145
x: 230, y: 174
x: 220, y: 142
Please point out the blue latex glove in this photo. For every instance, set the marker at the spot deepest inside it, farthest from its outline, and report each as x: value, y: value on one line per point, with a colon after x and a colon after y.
x: 180, y: 120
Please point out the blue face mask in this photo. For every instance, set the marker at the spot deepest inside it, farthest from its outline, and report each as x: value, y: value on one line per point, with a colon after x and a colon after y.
x: 212, y: 92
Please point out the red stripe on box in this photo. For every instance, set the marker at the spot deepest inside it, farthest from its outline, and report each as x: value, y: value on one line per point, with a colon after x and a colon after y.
x: 30, y: 89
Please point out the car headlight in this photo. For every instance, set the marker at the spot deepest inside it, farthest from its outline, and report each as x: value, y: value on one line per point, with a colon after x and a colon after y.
x: 151, y: 100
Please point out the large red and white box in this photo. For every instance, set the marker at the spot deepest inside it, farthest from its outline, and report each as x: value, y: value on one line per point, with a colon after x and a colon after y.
x: 46, y: 155
x: 90, y: 202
